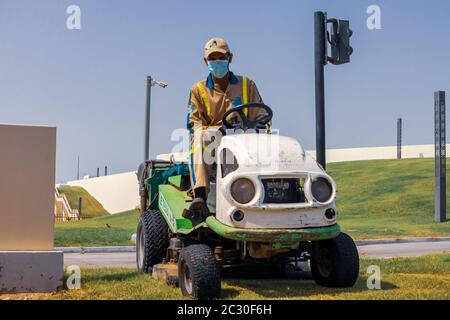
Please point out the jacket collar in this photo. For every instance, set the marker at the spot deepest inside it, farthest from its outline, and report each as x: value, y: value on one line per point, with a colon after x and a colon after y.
x: 210, y: 80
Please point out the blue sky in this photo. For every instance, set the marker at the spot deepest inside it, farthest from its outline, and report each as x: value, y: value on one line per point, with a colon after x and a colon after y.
x: 90, y: 82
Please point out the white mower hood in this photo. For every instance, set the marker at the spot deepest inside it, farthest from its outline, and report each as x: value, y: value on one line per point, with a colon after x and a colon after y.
x: 269, y: 154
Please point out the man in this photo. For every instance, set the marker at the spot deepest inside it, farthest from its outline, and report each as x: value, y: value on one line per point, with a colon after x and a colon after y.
x: 208, y: 102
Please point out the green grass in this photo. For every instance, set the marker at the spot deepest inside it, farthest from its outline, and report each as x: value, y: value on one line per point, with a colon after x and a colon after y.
x: 111, y: 230
x: 387, y: 198
x: 90, y: 206
x: 405, y: 278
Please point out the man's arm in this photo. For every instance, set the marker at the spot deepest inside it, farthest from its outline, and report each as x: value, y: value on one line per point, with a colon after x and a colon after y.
x: 196, y: 115
x: 253, y: 93
x: 255, y: 97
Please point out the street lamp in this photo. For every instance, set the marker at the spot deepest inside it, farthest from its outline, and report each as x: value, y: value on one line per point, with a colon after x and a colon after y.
x: 149, y: 83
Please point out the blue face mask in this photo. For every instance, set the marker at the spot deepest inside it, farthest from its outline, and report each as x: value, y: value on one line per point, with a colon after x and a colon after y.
x: 218, y: 68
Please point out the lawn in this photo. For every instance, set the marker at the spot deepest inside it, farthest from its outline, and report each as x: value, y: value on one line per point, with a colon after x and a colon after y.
x: 90, y: 206
x: 111, y: 230
x: 405, y: 278
x: 376, y: 199
x: 387, y: 198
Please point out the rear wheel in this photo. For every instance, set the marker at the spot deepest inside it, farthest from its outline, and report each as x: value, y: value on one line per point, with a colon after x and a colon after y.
x: 198, y: 273
x: 335, y: 262
x: 152, y: 240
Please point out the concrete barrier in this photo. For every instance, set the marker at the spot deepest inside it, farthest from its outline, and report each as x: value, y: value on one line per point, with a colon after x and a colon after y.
x: 28, y: 262
x: 27, y: 171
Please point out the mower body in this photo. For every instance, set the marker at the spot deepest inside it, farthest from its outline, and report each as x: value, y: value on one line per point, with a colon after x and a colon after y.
x: 271, y: 163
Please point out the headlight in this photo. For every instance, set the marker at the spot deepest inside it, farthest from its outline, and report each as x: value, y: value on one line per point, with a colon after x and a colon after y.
x: 243, y: 190
x: 322, y: 190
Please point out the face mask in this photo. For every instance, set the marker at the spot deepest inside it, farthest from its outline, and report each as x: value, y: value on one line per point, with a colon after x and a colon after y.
x: 218, y: 68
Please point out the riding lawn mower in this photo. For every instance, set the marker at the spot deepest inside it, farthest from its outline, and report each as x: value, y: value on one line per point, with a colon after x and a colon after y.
x: 270, y: 203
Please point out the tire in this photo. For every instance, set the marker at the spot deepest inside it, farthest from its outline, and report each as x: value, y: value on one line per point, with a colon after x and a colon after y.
x: 143, y: 204
x: 198, y: 273
x: 152, y: 240
x: 335, y: 262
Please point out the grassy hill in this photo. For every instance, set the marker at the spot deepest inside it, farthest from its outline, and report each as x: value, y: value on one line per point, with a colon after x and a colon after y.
x: 376, y: 199
x: 387, y: 198
x: 90, y: 207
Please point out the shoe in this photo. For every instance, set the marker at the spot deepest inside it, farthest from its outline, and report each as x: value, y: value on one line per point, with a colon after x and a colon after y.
x: 198, y: 211
x: 199, y: 205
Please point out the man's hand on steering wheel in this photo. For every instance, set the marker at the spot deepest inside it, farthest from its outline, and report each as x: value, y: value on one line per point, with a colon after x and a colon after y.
x: 259, y: 123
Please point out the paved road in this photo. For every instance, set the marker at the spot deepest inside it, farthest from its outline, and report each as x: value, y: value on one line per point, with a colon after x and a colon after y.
x: 393, y: 250
x: 390, y: 250
x: 115, y: 259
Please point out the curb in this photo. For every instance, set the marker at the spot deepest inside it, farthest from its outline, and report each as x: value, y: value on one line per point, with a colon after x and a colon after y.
x: 359, y: 243
x: 82, y: 250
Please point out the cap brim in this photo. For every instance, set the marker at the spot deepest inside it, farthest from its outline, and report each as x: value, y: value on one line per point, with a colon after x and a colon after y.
x: 209, y: 52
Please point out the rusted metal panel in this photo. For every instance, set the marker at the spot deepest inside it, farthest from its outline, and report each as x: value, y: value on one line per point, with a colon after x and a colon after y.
x: 167, y: 272
x: 273, y: 235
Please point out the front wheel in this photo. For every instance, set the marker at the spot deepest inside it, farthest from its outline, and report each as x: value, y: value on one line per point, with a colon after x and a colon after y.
x: 198, y: 273
x: 335, y: 262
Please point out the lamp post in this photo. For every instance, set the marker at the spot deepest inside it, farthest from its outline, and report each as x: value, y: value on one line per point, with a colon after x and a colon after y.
x: 149, y: 83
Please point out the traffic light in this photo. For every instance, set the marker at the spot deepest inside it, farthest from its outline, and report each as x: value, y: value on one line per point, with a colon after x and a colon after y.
x: 339, y: 39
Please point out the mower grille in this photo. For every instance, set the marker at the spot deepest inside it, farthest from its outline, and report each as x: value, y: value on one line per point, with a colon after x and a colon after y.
x: 278, y: 191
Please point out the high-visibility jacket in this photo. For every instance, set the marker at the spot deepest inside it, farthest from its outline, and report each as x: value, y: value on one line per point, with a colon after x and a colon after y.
x: 206, y: 108
x: 208, y: 105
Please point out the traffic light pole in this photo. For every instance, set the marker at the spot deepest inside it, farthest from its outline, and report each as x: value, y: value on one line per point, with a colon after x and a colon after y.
x: 339, y: 39
x: 320, y: 58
